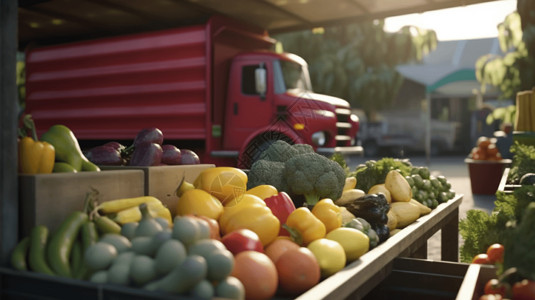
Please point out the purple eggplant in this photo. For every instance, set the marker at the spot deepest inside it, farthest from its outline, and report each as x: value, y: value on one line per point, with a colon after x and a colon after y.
x: 147, y: 154
x: 116, y: 145
x: 189, y: 157
x: 105, y: 155
x: 149, y: 135
x: 171, y: 155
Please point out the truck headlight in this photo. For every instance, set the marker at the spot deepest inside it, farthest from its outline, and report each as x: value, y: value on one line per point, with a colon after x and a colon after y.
x: 319, y: 138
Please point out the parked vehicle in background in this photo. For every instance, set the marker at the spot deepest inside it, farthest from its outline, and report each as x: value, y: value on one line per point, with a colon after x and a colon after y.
x: 216, y: 88
x: 401, y: 132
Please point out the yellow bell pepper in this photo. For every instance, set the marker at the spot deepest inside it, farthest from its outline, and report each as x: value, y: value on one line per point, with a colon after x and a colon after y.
x: 329, y: 214
x: 224, y: 183
x: 304, y: 226
x: 263, y: 191
x: 35, y: 156
x: 250, y: 212
x: 199, y: 202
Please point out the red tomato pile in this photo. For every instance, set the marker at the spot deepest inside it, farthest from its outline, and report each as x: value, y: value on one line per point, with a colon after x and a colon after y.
x: 495, y: 289
x: 485, y: 150
x: 493, y: 255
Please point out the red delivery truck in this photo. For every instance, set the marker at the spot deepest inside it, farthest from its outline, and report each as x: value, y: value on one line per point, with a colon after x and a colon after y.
x: 217, y: 88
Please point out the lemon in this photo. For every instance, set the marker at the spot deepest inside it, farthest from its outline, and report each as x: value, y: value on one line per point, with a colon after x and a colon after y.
x: 330, y: 255
x: 354, y: 241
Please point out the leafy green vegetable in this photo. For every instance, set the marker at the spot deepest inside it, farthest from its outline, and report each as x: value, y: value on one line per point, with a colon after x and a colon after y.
x: 519, y: 245
x: 339, y: 158
x: 523, y: 161
x: 480, y: 230
x: 374, y: 172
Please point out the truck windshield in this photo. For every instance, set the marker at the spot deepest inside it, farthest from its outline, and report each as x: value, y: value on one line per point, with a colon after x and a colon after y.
x: 295, y: 76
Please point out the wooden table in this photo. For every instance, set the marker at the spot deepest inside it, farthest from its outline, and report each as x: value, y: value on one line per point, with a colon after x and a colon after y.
x: 361, y: 276
x: 355, y: 281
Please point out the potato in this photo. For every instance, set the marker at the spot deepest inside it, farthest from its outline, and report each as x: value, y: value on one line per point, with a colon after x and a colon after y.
x: 424, y: 210
x: 381, y: 188
x: 406, y: 213
x: 392, y: 220
x: 399, y: 187
x: 350, y: 183
x: 349, y: 195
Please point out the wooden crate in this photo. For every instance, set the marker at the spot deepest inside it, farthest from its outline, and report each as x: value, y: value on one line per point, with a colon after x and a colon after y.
x: 162, y: 181
x: 504, y: 186
x: 474, y: 281
x: 47, y: 199
x: 415, y: 279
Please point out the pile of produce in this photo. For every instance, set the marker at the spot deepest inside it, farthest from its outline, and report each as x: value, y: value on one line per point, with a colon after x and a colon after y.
x: 510, y: 224
x: 485, y: 149
x: 57, y: 151
x: 523, y: 164
x: 427, y: 189
x: 232, y: 234
x: 147, y: 149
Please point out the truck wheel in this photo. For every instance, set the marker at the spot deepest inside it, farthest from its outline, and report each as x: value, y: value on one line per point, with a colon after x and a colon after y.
x: 371, y: 149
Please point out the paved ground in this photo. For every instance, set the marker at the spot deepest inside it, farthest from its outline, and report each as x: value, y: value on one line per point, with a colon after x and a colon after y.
x: 456, y: 171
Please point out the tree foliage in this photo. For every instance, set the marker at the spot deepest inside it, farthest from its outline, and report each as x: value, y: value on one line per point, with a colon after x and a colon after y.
x: 515, y: 70
x: 357, y: 61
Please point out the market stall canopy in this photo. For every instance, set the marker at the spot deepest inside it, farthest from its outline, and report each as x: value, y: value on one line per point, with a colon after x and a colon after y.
x: 450, y: 68
x: 54, y: 21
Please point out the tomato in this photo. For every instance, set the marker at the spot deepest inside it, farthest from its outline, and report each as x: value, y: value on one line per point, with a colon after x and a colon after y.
x: 492, y: 150
x: 257, y: 273
x: 481, y: 258
x: 495, y: 253
x: 524, y: 290
x: 279, y: 246
x: 298, y: 270
x: 483, y: 142
x: 242, y: 240
x: 214, y: 226
x: 330, y: 255
x: 493, y: 287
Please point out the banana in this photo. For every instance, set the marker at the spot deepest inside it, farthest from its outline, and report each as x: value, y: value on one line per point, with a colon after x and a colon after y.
x: 349, y: 195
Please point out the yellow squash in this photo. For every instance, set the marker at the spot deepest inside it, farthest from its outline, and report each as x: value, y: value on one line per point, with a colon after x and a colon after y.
x: 399, y: 187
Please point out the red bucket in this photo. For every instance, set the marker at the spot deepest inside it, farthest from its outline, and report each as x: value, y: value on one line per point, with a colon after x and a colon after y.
x: 485, y: 175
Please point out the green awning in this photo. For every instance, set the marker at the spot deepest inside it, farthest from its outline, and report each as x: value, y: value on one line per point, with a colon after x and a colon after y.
x: 459, y: 75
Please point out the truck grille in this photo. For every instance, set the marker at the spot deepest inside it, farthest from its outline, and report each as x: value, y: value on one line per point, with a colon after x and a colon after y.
x: 343, y: 137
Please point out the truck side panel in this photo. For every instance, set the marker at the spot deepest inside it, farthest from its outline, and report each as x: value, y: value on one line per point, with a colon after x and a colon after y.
x: 112, y: 88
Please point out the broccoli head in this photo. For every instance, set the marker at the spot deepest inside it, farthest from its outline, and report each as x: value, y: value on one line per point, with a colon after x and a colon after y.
x: 266, y: 172
x: 303, y: 148
x: 314, y: 176
x: 279, y: 151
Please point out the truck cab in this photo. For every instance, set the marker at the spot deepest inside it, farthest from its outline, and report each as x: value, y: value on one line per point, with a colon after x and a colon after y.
x: 270, y: 97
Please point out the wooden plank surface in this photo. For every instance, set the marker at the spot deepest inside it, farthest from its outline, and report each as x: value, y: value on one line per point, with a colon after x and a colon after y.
x: 362, y: 275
